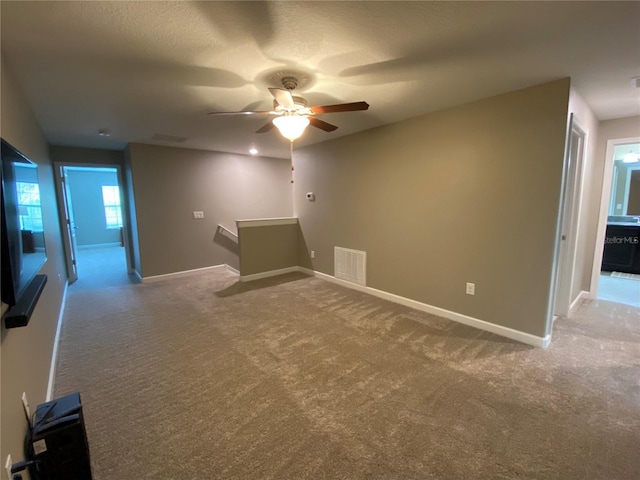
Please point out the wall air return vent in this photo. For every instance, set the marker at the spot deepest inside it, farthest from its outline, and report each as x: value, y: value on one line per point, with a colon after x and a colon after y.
x: 350, y: 265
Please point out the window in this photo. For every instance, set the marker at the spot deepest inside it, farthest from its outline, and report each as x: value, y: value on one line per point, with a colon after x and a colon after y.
x: 112, y: 211
x: 29, y: 206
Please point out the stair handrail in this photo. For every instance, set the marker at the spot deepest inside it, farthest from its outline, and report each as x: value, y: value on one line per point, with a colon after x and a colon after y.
x: 227, y: 233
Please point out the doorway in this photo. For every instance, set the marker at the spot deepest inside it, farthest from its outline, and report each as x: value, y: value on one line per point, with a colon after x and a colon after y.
x: 616, y: 266
x: 94, y: 225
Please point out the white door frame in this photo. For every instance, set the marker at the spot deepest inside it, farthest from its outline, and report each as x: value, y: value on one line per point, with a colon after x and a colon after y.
x: 570, y: 223
x: 607, y: 180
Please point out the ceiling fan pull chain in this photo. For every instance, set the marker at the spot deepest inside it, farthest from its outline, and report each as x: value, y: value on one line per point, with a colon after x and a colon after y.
x: 291, y: 144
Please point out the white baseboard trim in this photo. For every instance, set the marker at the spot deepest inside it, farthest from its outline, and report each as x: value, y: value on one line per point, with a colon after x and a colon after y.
x: 582, y: 296
x: 270, y: 273
x: 56, y: 342
x: 155, y: 278
x: 135, y: 273
x: 232, y: 270
x: 527, y: 338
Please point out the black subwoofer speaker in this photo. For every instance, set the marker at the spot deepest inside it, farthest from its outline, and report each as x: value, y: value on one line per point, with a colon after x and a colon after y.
x: 58, y: 442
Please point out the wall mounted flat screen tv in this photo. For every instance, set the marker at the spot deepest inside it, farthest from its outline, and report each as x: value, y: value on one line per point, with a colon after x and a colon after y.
x: 23, y: 246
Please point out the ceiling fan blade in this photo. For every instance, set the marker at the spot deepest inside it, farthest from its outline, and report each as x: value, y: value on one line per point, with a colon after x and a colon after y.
x: 321, y: 124
x: 265, y: 128
x: 260, y: 112
x: 282, y: 96
x: 341, y: 107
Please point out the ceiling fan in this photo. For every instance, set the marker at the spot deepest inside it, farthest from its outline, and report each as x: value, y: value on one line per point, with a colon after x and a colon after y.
x: 292, y: 113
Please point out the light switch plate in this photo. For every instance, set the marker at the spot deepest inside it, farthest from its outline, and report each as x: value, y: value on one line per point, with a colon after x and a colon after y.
x: 471, y: 288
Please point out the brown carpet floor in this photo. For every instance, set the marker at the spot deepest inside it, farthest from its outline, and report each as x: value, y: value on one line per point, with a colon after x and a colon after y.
x: 200, y: 377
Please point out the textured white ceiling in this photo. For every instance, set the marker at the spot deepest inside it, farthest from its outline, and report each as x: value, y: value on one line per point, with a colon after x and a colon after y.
x: 145, y: 69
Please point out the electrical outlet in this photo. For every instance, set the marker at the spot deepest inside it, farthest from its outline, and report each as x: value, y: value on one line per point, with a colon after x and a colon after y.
x: 471, y: 288
x: 198, y: 215
x: 8, y: 466
x: 313, y: 254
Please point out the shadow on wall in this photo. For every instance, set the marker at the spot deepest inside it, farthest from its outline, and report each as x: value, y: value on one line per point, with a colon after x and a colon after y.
x: 304, y: 257
x: 226, y: 242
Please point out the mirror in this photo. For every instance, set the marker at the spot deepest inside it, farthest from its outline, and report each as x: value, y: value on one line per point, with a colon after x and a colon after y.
x: 625, y: 189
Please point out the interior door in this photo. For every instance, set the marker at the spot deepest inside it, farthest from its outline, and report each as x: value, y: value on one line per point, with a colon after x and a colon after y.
x: 570, y: 216
x: 69, y: 226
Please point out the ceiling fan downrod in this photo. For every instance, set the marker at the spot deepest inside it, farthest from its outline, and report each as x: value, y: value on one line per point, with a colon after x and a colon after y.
x: 289, y: 83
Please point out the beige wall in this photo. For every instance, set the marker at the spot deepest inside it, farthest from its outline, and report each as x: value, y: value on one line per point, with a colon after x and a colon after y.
x: 268, y: 247
x: 170, y: 183
x: 468, y: 194
x: 26, y: 352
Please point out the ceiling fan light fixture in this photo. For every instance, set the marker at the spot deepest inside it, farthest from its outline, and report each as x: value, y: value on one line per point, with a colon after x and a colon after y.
x: 291, y: 126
